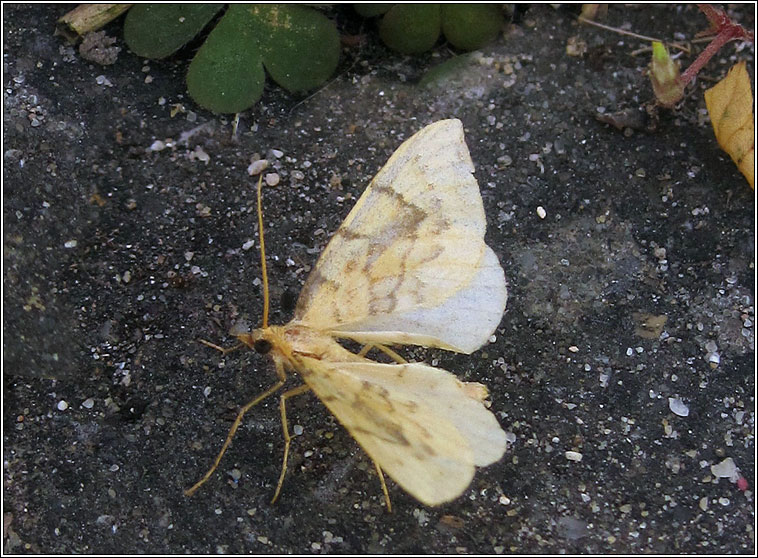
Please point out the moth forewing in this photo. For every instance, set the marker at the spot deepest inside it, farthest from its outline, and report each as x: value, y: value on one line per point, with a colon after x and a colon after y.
x: 411, y: 254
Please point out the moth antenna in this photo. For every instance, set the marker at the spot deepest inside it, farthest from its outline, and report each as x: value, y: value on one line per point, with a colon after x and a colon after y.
x: 263, y: 254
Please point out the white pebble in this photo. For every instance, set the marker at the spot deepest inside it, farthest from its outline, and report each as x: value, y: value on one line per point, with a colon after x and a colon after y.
x: 257, y: 167
x: 199, y: 154
x: 678, y: 407
x: 247, y: 245
x: 62, y: 405
x: 714, y: 359
x: 88, y: 403
x: 726, y: 469
x: 574, y: 456
x: 70, y: 244
x: 541, y: 212
x: 272, y: 179
x: 157, y: 145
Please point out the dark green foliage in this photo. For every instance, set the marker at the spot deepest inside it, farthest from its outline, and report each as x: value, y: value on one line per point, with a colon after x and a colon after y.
x: 226, y: 74
x: 415, y: 28
x: 371, y: 10
x: 411, y: 28
x: 471, y: 26
x: 158, y: 30
x: 298, y: 46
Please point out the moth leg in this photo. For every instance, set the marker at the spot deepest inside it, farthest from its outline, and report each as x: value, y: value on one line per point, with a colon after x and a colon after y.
x: 233, y: 429
x: 384, y: 487
x: 386, y: 350
x: 364, y: 351
x: 219, y: 348
x: 285, y: 428
x: 392, y: 354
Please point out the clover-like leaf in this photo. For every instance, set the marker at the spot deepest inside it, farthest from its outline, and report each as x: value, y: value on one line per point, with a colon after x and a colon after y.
x: 297, y: 45
x: 227, y: 74
x: 411, y: 28
x: 415, y: 28
x: 371, y: 10
x: 158, y: 30
x: 471, y: 26
x: 300, y: 46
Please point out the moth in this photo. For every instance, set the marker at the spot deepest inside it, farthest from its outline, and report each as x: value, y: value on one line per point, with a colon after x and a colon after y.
x: 408, y: 266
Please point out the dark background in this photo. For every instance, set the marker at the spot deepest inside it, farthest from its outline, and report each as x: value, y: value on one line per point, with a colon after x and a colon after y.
x: 110, y: 325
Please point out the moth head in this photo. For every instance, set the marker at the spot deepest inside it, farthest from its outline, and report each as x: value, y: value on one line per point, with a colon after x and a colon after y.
x: 261, y: 340
x: 262, y: 346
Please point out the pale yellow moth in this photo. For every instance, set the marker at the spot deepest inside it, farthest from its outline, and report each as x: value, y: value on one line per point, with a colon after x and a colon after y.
x: 409, y: 265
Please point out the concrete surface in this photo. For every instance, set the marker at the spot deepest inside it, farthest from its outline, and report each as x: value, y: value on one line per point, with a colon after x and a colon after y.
x: 633, y: 296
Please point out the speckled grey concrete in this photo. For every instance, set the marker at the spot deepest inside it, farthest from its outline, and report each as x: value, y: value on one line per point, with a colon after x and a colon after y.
x: 635, y: 290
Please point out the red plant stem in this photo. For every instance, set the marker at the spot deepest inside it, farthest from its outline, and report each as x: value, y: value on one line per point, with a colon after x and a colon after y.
x: 727, y: 30
x: 713, y: 47
x: 717, y: 17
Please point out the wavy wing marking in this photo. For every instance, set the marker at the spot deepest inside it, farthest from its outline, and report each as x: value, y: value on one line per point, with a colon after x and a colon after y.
x: 425, y: 428
x: 462, y: 323
x: 413, y: 240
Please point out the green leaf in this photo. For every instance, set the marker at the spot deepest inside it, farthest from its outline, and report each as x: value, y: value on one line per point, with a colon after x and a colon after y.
x: 411, y: 28
x: 158, y: 30
x: 227, y: 74
x: 371, y: 10
x: 471, y: 26
x: 300, y: 46
x: 297, y: 45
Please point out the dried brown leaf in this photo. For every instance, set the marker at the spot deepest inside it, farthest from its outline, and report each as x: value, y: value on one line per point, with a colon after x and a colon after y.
x: 730, y: 106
